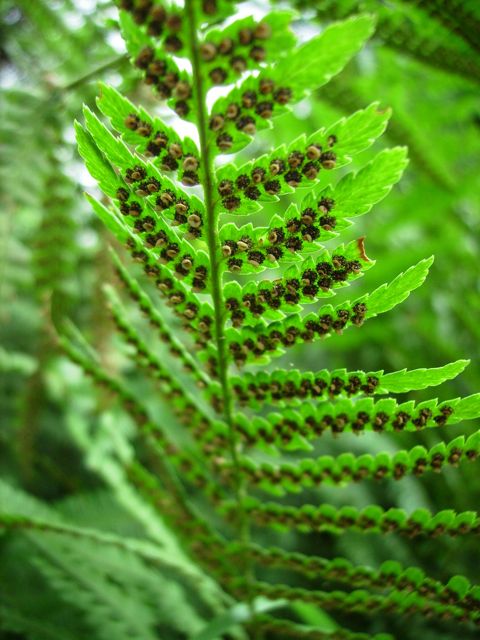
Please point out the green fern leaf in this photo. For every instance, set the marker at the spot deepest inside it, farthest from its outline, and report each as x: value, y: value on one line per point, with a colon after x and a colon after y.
x: 204, y: 253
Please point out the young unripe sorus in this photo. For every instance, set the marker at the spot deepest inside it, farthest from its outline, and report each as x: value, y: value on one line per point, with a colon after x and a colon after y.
x: 295, y: 159
x: 229, y: 248
x: 257, y: 53
x: 152, y: 185
x: 144, y: 129
x: 190, y: 179
x: 249, y: 99
x: 225, y: 46
x: 231, y: 203
x: 132, y: 121
x: 313, y: 152
x: 264, y: 109
x: 144, y: 58
x: 218, y: 75
x: 209, y: 7
x: 225, y: 188
x: 308, y: 216
x: 328, y: 160
x: 233, y: 111
x: 190, y: 163
x: 272, y: 187
x: 246, y: 124
x: 263, y: 31
x: 277, y: 166
x: 252, y: 192
x: 208, y: 51
x: 244, y: 244
x: 216, y: 122
x: 171, y: 79
x: 245, y: 36
x: 293, y: 178
x: 242, y: 182
x: 194, y: 220
x: 166, y: 199
x: 122, y: 194
x: 283, y: 95
x: 310, y: 170
x: 332, y: 139
x: 224, y: 142
x: 181, y: 108
x: 258, y: 175
x: 182, y: 90
x: 238, y: 64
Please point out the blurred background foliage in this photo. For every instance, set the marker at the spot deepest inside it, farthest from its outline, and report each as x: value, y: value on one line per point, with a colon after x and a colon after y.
x: 60, y: 441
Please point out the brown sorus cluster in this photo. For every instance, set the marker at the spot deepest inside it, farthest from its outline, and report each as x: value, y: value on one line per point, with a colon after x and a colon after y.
x: 275, y: 294
x: 280, y: 391
x: 172, y: 156
x: 265, y: 514
x: 161, y: 73
x: 306, y: 228
x: 316, y: 425
x: 309, y: 330
x: 234, y: 54
x: 253, y: 103
x: 155, y: 238
x: 157, y: 20
x: 165, y: 200
x: 299, y: 166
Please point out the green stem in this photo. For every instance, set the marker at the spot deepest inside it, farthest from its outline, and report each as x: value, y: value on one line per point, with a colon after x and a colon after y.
x: 112, y: 64
x: 215, y: 274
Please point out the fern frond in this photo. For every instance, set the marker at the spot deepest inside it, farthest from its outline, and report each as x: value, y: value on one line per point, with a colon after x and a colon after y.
x: 309, y: 472
x: 204, y: 253
x: 259, y: 343
x: 292, y: 386
x: 144, y: 302
x: 371, y: 519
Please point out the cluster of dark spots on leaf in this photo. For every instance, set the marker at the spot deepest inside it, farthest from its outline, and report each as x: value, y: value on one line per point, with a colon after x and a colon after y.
x: 173, y: 157
x: 134, y: 123
x: 252, y: 104
x: 209, y: 7
x: 316, y: 388
x: 165, y: 284
x: 290, y: 336
x: 135, y: 174
x: 308, y: 285
x: 157, y: 20
x: 291, y: 170
x: 444, y: 413
x: 233, y: 54
x: 167, y: 82
x: 224, y: 141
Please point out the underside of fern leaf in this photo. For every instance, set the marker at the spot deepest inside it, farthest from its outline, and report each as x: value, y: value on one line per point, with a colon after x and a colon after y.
x: 235, y: 293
